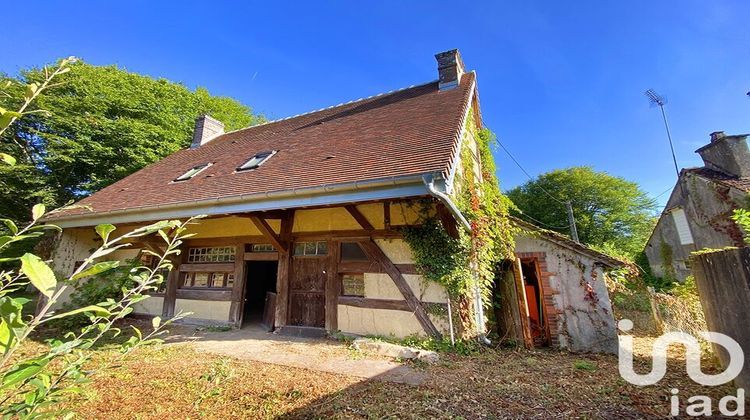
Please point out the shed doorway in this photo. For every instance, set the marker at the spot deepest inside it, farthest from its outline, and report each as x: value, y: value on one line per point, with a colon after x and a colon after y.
x: 532, y: 287
x: 260, y: 293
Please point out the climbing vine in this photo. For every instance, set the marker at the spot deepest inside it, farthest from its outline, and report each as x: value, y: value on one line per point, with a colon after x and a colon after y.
x: 460, y: 263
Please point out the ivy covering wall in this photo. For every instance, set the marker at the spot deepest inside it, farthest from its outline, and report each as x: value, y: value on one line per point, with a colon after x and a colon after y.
x: 470, y: 260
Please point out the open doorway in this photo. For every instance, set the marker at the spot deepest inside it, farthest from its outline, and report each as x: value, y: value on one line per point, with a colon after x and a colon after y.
x: 535, y: 302
x: 260, y: 293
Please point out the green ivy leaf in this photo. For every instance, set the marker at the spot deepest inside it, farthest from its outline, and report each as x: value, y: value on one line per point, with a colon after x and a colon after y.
x: 39, y: 274
x: 96, y: 269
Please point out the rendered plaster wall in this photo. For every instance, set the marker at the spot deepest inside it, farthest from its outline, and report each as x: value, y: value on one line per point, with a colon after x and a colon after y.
x: 585, y: 322
x: 708, y: 208
x: 386, y: 322
x: 74, y: 245
x: 151, y: 306
x: 204, y: 309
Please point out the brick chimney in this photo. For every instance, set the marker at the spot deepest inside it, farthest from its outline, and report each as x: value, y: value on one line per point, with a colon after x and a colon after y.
x: 450, y: 69
x: 206, y: 129
x: 727, y: 154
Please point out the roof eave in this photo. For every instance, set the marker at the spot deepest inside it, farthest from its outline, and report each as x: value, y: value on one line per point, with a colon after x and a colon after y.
x: 324, y: 195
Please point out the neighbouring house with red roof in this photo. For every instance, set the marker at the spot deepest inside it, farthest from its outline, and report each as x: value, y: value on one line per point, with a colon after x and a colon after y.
x: 303, y: 233
x: 699, y: 211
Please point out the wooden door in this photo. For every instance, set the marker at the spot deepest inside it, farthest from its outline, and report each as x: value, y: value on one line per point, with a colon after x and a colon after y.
x: 307, y: 302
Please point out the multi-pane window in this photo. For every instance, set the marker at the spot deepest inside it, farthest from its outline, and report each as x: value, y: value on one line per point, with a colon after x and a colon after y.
x: 211, y: 254
x: 311, y: 248
x: 353, y: 285
x: 152, y: 262
x: 204, y: 280
x: 262, y: 248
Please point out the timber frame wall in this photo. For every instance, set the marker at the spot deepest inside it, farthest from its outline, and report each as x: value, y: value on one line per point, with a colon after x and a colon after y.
x: 283, y: 241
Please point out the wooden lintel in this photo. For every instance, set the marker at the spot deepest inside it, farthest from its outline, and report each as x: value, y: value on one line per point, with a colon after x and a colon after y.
x: 376, y: 254
x: 207, y: 267
x: 395, y: 305
x: 372, y: 267
x: 268, y: 232
x: 359, y: 217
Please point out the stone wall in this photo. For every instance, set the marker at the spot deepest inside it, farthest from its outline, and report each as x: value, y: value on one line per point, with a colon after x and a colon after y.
x: 576, y: 299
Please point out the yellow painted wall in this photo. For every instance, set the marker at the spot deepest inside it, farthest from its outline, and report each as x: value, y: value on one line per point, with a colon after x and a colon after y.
x: 204, y: 309
x: 381, y: 286
x: 385, y: 322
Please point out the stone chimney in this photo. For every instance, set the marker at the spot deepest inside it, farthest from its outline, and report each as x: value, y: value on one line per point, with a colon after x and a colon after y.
x: 727, y: 154
x: 206, y: 129
x: 450, y: 69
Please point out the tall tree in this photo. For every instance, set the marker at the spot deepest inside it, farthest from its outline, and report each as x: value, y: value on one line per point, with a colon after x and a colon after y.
x: 104, y: 123
x: 611, y: 213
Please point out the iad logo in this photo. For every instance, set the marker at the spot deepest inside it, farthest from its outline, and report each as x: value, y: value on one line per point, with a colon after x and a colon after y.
x: 700, y: 405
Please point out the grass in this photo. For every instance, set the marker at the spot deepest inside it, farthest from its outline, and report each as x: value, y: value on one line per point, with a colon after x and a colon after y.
x: 176, y: 381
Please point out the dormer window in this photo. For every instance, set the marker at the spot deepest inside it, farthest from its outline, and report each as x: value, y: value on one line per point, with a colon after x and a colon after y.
x: 257, y: 160
x: 192, y: 172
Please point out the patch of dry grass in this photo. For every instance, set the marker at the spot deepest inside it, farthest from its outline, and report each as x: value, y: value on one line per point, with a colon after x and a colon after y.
x: 176, y: 381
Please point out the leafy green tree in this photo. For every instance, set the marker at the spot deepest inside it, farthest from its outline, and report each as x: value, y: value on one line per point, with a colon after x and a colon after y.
x: 100, y: 124
x: 612, y: 214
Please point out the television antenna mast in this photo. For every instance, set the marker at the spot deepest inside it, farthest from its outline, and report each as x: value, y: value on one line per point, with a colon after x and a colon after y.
x: 660, y: 101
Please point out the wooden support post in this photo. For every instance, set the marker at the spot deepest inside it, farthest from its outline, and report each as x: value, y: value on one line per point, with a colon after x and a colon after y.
x: 238, y: 289
x: 170, y: 294
x: 268, y: 233
x: 333, y: 286
x: 376, y: 254
x: 523, y: 307
x: 359, y: 217
x: 284, y: 270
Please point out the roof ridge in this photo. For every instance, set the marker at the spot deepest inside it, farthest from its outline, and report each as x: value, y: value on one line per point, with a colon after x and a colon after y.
x: 330, y: 107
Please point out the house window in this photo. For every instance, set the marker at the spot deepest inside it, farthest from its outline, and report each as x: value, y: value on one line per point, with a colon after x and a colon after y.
x: 152, y: 262
x: 206, y: 280
x: 211, y: 254
x: 351, y: 251
x: 262, y: 248
x: 192, y: 172
x: 311, y: 248
x: 353, y: 285
x: 257, y: 160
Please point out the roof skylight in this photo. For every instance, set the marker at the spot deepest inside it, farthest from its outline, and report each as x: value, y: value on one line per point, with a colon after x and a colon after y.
x: 193, y: 172
x: 257, y: 160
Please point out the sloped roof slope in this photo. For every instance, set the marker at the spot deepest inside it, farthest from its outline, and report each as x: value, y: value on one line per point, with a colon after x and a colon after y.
x: 407, y: 132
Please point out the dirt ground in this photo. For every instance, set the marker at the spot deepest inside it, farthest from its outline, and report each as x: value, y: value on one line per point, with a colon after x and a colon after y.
x: 218, y: 375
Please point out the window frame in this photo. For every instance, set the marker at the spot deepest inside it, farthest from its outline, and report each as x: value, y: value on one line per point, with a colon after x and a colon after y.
x: 225, y: 285
x: 341, y: 284
x: 232, y: 257
x: 263, y: 156
x: 192, y: 172
x: 316, y: 253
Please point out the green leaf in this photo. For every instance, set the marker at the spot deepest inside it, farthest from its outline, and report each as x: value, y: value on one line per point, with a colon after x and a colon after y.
x: 91, y: 308
x: 38, y: 211
x: 22, y: 372
x: 39, y: 274
x: 156, y: 322
x: 10, y: 160
x: 31, y: 89
x: 11, y: 226
x: 96, y: 269
x: 104, y: 230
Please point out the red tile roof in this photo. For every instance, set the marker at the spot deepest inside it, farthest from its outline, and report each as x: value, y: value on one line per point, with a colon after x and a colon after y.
x: 406, y: 132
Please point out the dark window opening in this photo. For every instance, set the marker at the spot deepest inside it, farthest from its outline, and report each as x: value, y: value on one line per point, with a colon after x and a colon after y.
x: 351, y: 251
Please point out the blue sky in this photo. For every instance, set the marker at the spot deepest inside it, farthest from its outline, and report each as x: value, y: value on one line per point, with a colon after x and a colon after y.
x: 561, y: 83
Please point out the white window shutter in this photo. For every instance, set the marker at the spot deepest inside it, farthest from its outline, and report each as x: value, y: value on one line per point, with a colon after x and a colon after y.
x: 683, y: 229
